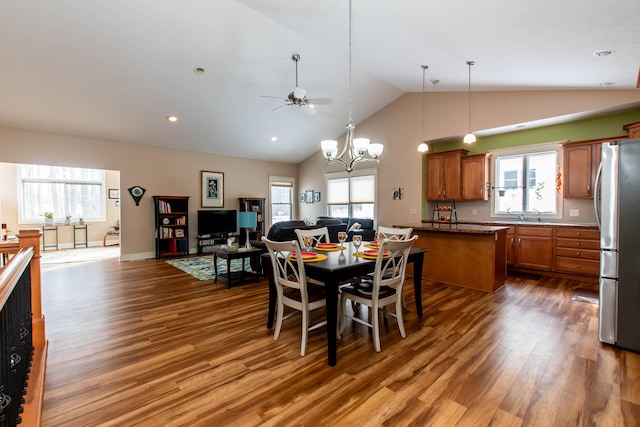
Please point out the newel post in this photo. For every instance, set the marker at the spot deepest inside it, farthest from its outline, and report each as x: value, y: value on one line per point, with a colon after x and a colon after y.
x: 30, y: 238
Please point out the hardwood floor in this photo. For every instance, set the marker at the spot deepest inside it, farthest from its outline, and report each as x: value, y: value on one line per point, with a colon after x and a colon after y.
x: 142, y: 343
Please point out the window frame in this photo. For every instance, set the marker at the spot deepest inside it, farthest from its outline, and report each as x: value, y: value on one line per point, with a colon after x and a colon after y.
x: 274, y: 181
x: 20, y: 181
x: 373, y: 172
x: 526, y: 150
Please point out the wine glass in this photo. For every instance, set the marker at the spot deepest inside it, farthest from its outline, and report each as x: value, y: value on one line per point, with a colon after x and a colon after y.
x: 342, y: 236
x: 357, y: 241
x: 379, y: 238
x: 308, y: 241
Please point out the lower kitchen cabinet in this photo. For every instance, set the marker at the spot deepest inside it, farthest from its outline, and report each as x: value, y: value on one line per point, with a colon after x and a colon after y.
x: 534, y: 247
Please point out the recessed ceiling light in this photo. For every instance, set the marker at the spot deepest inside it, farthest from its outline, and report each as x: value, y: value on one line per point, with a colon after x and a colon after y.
x: 607, y: 84
x: 199, y: 71
x: 172, y: 119
x: 435, y: 81
x: 274, y: 138
x: 604, y: 52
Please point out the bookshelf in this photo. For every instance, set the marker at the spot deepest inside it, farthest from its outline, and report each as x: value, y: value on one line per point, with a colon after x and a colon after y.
x: 172, y: 226
x: 253, y: 204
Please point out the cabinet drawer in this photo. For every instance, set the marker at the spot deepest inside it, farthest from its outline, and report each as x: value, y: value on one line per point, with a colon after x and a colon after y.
x: 580, y: 266
x: 511, y: 231
x: 577, y: 243
x: 572, y: 233
x: 578, y: 253
x: 535, y: 231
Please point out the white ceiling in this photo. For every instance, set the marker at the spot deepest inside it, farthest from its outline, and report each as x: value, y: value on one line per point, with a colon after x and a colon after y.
x: 115, y: 69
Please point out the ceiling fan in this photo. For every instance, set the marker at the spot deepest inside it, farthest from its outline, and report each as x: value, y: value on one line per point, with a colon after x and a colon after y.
x: 298, y: 98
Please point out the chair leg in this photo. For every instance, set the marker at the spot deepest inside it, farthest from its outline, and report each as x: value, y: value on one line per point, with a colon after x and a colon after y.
x: 305, y: 332
x: 400, y: 319
x: 279, y: 315
x: 376, y: 328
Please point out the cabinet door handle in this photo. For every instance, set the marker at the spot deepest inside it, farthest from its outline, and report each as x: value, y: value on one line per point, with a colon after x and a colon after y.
x: 512, y: 242
x: 577, y: 253
x: 588, y: 187
x: 577, y: 243
x: 519, y: 243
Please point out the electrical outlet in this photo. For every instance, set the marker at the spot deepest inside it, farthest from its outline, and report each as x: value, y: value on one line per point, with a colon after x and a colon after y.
x: 413, y: 211
x: 474, y: 211
x: 574, y: 212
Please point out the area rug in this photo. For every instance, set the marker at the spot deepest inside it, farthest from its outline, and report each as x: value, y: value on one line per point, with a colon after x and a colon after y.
x: 202, y: 267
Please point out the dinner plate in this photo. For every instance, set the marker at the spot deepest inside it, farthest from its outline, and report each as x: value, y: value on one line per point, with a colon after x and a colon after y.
x: 374, y: 252
x: 374, y: 244
x: 327, y: 245
x: 305, y: 255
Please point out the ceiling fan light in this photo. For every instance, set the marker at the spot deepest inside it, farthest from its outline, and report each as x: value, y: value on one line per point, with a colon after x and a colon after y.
x: 299, y: 93
x: 329, y: 148
x: 423, y: 147
x: 375, y: 149
x: 469, y: 138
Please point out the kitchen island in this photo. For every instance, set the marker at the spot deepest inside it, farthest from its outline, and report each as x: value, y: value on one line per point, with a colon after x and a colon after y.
x: 471, y: 256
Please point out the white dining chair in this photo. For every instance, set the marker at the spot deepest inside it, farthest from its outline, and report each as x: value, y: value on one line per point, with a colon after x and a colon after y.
x: 319, y: 235
x: 292, y: 288
x: 385, y: 289
x: 394, y: 233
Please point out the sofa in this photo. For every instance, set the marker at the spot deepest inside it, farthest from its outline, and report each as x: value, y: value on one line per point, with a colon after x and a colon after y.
x: 286, y: 230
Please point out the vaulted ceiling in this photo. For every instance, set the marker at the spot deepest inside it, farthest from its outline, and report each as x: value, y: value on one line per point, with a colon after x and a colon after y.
x: 116, y: 69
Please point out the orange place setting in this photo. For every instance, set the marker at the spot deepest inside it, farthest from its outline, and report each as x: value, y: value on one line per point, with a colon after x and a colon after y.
x: 373, y: 245
x: 328, y: 247
x: 371, y: 254
x: 305, y: 255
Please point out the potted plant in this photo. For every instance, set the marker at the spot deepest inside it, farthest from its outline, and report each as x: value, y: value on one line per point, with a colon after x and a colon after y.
x: 48, y: 217
x: 80, y: 221
x: 67, y: 220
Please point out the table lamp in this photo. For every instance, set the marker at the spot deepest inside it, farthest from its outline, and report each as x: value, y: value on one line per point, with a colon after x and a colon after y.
x: 247, y: 220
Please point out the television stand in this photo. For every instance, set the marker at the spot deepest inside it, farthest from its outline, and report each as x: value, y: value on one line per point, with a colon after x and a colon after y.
x: 209, y: 241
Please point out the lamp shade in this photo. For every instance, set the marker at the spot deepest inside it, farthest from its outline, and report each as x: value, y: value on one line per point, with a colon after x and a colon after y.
x: 247, y: 219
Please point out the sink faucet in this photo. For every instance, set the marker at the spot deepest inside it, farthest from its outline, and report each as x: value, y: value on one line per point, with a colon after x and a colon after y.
x: 537, y: 213
x: 520, y: 215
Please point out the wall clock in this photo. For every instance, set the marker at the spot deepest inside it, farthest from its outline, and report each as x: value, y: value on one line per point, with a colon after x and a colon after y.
x: 136, y: 192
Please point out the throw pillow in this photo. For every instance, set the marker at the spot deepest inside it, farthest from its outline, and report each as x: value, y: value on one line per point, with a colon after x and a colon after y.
x: 355, y: 226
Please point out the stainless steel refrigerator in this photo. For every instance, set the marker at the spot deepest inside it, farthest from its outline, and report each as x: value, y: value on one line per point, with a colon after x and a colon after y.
x: 617, y: 204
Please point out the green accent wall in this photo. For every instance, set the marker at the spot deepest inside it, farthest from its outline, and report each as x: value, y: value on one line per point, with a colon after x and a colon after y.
x: 579, y: 130
x: 597, y: 127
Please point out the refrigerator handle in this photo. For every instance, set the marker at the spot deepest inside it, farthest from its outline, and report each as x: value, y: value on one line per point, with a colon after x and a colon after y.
x: 596, y: 191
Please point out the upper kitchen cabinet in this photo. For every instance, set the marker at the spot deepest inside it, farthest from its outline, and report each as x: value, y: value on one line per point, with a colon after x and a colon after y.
x: 443, y: 174
x: 581, y: 161
x: 633, y: 129
x: 475, y: 177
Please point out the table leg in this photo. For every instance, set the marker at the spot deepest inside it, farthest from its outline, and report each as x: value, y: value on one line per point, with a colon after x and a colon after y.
x: 273, y: 294
x: 215, y: 266
x: 417, y: 282
x: 331, y: 289
x: 228, y: 272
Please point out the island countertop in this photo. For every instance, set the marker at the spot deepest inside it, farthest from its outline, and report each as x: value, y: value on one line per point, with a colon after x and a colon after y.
x: 456, y: 228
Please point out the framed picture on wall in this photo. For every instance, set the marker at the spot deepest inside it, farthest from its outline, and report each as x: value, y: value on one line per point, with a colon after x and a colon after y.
x: 309, y: 196
x: 212, y: 186
x: 316, y: 196
x: 302, y: 198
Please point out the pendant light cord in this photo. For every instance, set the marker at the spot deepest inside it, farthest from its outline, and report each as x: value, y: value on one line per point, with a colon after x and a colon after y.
x: 350, y: 59
x: 469, y: 63
x: 424, y: 99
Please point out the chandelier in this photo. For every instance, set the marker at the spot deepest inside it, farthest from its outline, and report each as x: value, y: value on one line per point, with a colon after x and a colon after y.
x: 357, y: 149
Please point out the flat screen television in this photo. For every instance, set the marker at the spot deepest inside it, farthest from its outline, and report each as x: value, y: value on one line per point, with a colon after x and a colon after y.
x: 217, y: 223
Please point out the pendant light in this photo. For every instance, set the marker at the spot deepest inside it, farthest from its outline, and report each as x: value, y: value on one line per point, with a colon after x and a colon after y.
x: 423, y: 147
x: 469, y: 138
x: 356, y: 148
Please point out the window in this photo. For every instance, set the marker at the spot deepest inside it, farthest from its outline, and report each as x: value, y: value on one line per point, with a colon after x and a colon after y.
x: 64, y: 191
x: 526, y: 182
x: 352, y: 196
x: 281, y: 198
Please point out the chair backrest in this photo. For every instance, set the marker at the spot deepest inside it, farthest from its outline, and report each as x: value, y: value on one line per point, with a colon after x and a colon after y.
x: 319, y: 235
x: 288, y: 271
x: 390, y: 271
x: 393, y: 233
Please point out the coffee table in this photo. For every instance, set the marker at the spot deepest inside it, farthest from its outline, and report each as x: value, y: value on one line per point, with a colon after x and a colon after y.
x: 241, y: 253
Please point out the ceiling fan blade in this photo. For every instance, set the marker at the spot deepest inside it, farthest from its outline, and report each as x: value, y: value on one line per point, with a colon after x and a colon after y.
x: 321, y: 101
x: 299, y: 93
x: 281, y: 108
x: 274, y: 97
x: 309, y: 110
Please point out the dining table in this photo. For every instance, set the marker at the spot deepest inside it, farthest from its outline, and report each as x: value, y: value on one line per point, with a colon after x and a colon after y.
x: 338, y: 267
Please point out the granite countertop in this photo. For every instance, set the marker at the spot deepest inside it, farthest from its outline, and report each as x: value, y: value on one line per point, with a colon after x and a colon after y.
x: 456, y: 228
x: 530, y: 223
